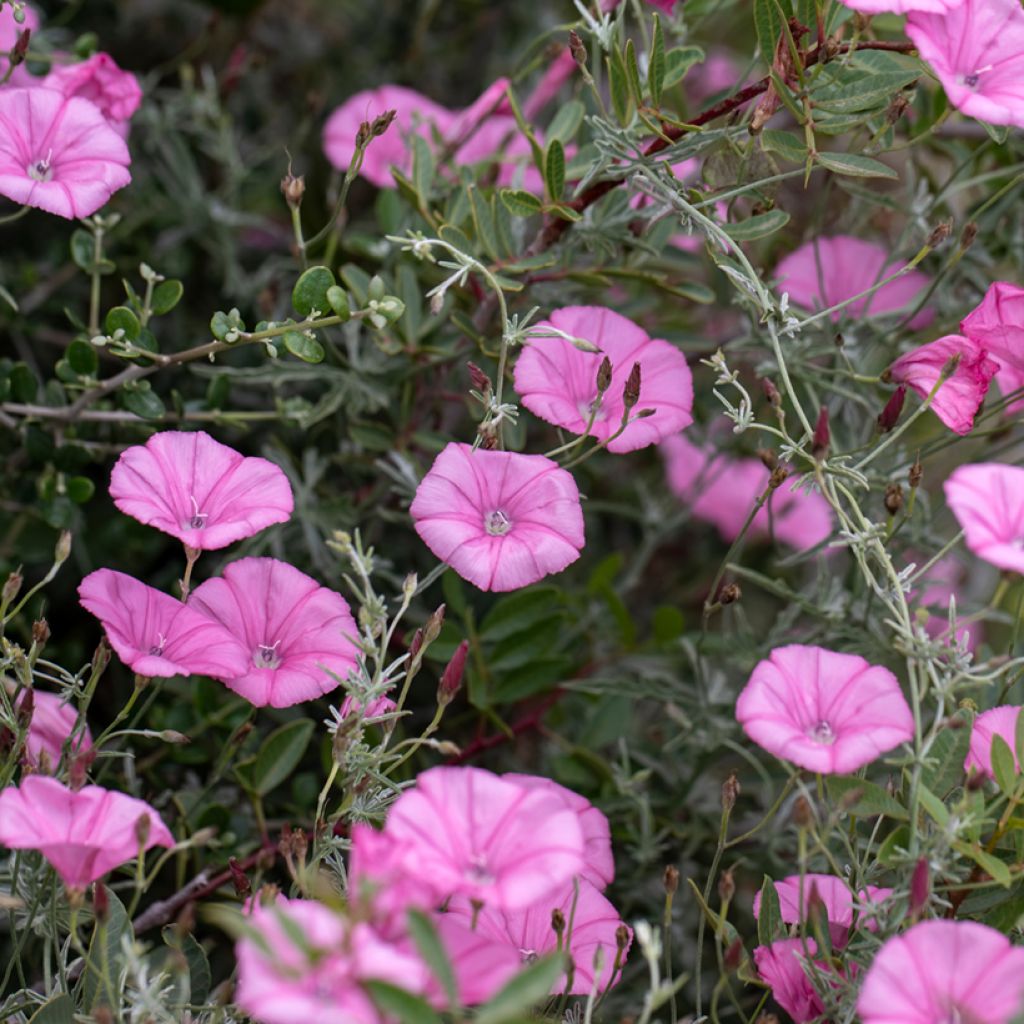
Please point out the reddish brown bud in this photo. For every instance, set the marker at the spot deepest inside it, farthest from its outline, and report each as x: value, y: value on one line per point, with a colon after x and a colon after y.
x: 479, y: 379
x: 604, y: 376
x: 621, y: 938
x: 968, y: 235
x: 78, y: 770
x: 896, y: 109
x: 771, y: 392
x: 577, y: 49
x: 239, y: 879
x: 768, y: 458
x: 293, y: 188
x: 100, y: 902
x: 920, y: 886
x: 726, y: 886
x: 451, y: 678
x: 631, y: 392
x: 893, y: 498
x: 803, y: 812
x: 889, y: 416
x: 671, y: 879
x: 416, y: 645
x: 730, y: 791
x: 12, y: 586
x: 733, y: 955
x: 20, y: 50
x: 142, y: 829
x: 730, y: 594
x: 822, y: 435
x: 558, y: 922
x: 380, y: 124
x: 915, y: 473
x: 432, y: 627
x: 40, y: 632
x: 25, y: 708
x: 779, y: 476
x: 939, y: 234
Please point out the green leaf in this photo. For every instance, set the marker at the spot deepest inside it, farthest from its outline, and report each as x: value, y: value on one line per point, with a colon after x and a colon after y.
x: 430, y: 947
x: 528, y: 988
x: 121, y: 318
x: 98, y: 982
x: 1018, y: 739
x: 80, y: 489
x: 1003, y: 767
x: 310, y: 291
x: 199, y: 975
x: 633, y: 72
x: 677, y: 62
x: 166, y: 295
x: 768, y: 25
x: 82, y: 358
x: 280, y: 754
x: 656, y: 63
x: 934, y: 807
x: 82, y: 249
x: 519, y: 202
x: 618, y: 85
x: 396, y: 1002
x: 856, y: 165
x: 759, y: 226
x: 785, y: 144
x: 337, y: 299
x: 59, y: 1010
x: 522, y: 612
x: 554, y: 170
x: 769, y: 918
x: 423, y: 167
x: 143, y: 402
x: 301, y: 345
x: 483, y: 222
x: 852, y: 90
x: 864, y: 799
x: 564, y: 211
x: 998, y: 133
x: 992, y: 865
x: 566, y: 122
x: 946, y: 756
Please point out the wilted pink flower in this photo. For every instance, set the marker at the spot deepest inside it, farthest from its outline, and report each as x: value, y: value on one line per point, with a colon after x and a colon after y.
x: 1000, y: 721
x: 58, y: 154
x: 115, y: 92
x: 722, y: 491
x: 500, y: 519
x: 53, y: 721
x: 154, y: 634
x: 10, y: 32
x: 558, y: 382
x: 372, y: 709
x: 960, y: 396
x: 781, y: 965
x: 944, y: 971
x: 976, y: 49
x: 416, y: 114
x: 830, y: 270
x: 312, y: 968
x: 822, y: 710
x: 83, y: 834
x: 559, y: 71
x: 486, y: 838
x: 836, y: 899
x: 599, y: 864
x: 529, y: 934
x: 997, y: 324
x: 199, y: 490
x: 299, y: 636
x: 987, y: 499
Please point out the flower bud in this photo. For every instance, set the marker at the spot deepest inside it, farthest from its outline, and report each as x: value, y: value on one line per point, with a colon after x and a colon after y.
x: 558, y: 923
x: 78, y: 770
x: 771, y: 392
x: 12, y: 586
x: 432, y: 627
x: 25, y: 708
x: 480, y: 379
x: 733, y: 956
x: 939, y: 234
x: 381, y: 123
x: 100, y: 902
x: 822, y: 435
x: 893, y: 498
x: 577, y: 49
x: 239, y: 879
x: 451, y: 678
x: 604, y: 376
x: 40, y: 632
x: 967, y: 236
x: 142, y: 828
x: 890, y: 415
x: 63, y: 547
x: 671, y: 879
x: 768, y: 458
x: 729, y: 594
x: 726, y: 886
x: 631, y: 392
x: 803, y: 812
x: 779, y: 476
x: 920, y: 886
x: 621, y: 938
x: 20, y: 50
x: 416, y: 645
x: 730, y: 791
x: 293, y: 188
x: 897, y: 108
x: 915, y: 473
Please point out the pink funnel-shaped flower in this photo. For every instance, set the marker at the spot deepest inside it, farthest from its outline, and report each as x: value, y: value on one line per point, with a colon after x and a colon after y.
x: 299, y: 636
x: 115, y: 92
x: 371, y: 709
x: 901, y: 6
x: 558, y: 382
x: 58, y: 154
x: 599, y: 864
x: 1000, y: 721
x: 824, y: 711
x: 987, y: 499
x: 944, y: 971
x: 959, y: 397
x: 836, y: 899
x: 199, y: 490
x: 83, y: 834
x: 154, y: 634
x: 500, y: 519
x: 416, y: 114
x: 830, y: 270
x: 997, y: 324
x: 10, y: 31
x: 781, y: 965
x: 53, y: 720
x: 482, y: 837
x: 311, y: 963
x: 977, y: 51
x: 528, y: 933
x: 941, y: 583
x: 722, y: 491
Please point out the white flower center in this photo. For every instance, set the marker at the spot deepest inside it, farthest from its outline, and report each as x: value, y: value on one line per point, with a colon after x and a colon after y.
x: 157, y: 649
x: 477, y: 871
x: 41, y: 170
x: 528, y: 956
x: 822, y: 733
x: 197, y: 521
x: 971, y: 80
x: 497, y: 523
x: 586, y: 408
x: 266, y: 656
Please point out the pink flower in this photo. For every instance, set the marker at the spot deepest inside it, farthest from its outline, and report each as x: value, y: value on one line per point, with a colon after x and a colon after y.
x: 939, y: 586
x: 722, y: 491
x: 1000, y: 721
x: 902, y: 6
x: 154, y: 634
x: 488, y: 839
x: 299, y: 636
x: 944, y: 971
x: 781, y: 965
x: 599, y: 864
x: 83, y: 834
x: 115, y: 92
x: 559, y: 71
x: 372, y: 709
x: 312, y: 968
x: 836, y: 898
x: 53, y: 720
x: 58, y: 154
x: 830, y: 270
x: 977, y: 51
x: 500, y: 519
x: 997, y: 324
x: 987, y: 499
x: 558, y: 382
x: 198, y: 490
x: 718, y: 73
x: 528, y: 934
x: 959, y: 397
x: 416, y: 114
x: 823, y: 711
x: 10, y: 31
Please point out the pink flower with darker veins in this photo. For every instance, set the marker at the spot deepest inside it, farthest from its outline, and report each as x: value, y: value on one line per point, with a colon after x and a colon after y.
x: 997, y: 324
x: 781, y: 965
x: 115, y: 92
x: 944, y: 971
x: 960, y: 395
x: 154, y: 634
x: 474, y: 834
x: 828, y: 271
x: 10, y: 33
x: 901, y: 6
x: 1000, y: 721
x: 84, y: 833
x: 822, y: 710
x: 977, y: 51
x: 58, y: 154
x: 987, y: 499
x: 500, y: 519
x: 558, y: 382
x: 299, y: 637
x: 53, y: 720
x: 198, y: 490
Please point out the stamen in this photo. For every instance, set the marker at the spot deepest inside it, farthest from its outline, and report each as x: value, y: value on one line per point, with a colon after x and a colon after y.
x: 265, y: 655
x: 496, y: 523
x: 41, y: 170
x: 198, y: 520
x: 157, y: 649
x: 822, y: 733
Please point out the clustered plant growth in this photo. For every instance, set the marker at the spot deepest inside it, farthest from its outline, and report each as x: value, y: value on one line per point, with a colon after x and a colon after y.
x: 554, y: 605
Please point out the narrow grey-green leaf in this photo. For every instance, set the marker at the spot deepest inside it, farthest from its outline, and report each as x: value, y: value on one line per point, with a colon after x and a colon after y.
x: 280, y: 754
x: 857, y: 165
x: 519, y: 202
x: 769, y: 917
x: 554, y: 170
x: 656, y: 62
x: 758, y: 226
x: 430, y: 947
